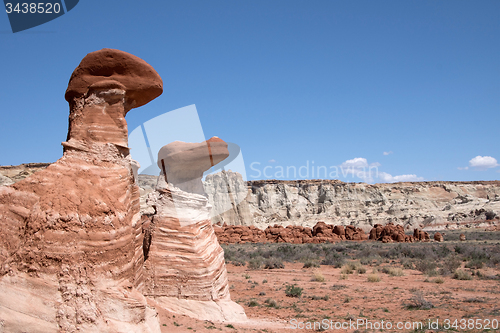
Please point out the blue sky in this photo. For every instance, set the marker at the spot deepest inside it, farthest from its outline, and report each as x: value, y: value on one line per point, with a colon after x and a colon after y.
x: 379, y: 91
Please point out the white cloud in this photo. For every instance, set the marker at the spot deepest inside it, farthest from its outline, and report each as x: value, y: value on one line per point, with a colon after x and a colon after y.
x: 355, y: 163
x: 359, y: 167
x: 272, y: 161
x: 483, y: 162
x: 387, y: 153
x: 464, y: 168
x: 387, y: 178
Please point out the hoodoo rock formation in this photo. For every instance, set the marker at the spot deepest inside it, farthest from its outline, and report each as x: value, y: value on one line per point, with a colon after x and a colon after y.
x: 185, y: 270
x: 71, y: 253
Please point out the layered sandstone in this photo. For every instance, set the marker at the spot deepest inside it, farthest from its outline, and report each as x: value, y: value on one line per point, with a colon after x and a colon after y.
x: 306, y: 202
x: 185, y: 269
x: 70, y: 238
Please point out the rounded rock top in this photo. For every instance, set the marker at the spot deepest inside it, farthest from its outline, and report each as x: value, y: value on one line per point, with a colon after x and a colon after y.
x: 111, y: 69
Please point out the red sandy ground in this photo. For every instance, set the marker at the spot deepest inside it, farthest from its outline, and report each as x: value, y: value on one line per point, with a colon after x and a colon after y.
x: 352, y: 298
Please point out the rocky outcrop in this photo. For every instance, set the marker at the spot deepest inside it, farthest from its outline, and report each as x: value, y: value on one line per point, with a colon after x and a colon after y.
x: 320, y: 233
x: 438, y: 237
x: 70, y: 238
x: 390, y: 233
x: 306, y: 202
x: 421, y: 235
x: 185, y: 269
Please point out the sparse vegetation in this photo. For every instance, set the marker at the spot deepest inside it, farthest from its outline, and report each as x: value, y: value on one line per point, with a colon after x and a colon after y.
x: 324, y: 298
x: 462, y: 275
x: 393, y: 271
x: 438, y: 280
x: 374, y: 277
x: 273, y: 263
x: 293, y: 291
x: 253, y: 303
x: 431, y: 259
x: 418, y: 302
x: 271, y: 303
x: 318, y: 277
x: 255, y: 263
x: 311, y: 263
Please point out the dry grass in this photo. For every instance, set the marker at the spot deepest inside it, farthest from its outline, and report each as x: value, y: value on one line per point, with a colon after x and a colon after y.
x: 318, y: 277
x: 374, y: 277
x: 393, y: 271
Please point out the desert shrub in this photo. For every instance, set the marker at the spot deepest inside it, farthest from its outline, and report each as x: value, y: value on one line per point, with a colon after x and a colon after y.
x: 413, y: 251
x: 318, y: 277
x: 310, y: 263
x: 350, y: 267
x: 475, y: 263
x: 443, y: 251
x: 271, y: 303
x: 338, y: 287
x: 473, y: 252
x: 317, y: 298
x: 264, y: 281
x: 293, y: 290
x: 426, y: 266
x: 374, y: 277
x: 393, y: 271
x: 238, y: 262
x: 418, y: 302
x: 366, y: 255
x: 255, y: 263
x: 407, y: 263
x: 334, y: 259
x: 253, y: 303
x: 475, y: 300
x: 361, y: 270
x: 462, y: 275
x: 346, y: 269
x: 450, y: 265
x: 438, y: 280
x: 273, y: 263
x: 399, y: 251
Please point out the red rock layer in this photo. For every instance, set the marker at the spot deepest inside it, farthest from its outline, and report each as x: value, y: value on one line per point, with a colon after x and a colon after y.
x: 320, y: 233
